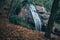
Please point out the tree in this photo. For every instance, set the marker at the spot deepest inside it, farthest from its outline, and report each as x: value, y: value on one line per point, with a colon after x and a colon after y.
x: 51, y: 19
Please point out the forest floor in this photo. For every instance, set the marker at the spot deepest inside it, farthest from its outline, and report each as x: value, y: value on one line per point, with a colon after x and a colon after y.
x: 15, y: 32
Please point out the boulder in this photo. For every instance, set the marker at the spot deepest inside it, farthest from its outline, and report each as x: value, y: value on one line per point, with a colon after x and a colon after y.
x: 41, y: 11
x: 43, y: 14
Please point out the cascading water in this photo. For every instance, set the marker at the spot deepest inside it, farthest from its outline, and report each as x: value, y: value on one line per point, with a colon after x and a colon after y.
x: 36, y: 18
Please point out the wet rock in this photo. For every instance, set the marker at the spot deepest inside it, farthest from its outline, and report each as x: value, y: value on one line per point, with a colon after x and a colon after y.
x: 43, y: 14
x: 41, y: 11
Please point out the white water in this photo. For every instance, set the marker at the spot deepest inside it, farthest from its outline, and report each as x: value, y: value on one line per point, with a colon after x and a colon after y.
x: 37, y: 20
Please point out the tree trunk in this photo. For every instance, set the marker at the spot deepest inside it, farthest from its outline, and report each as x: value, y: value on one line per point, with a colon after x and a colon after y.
x: 4, y: 14
x: 51, y: 19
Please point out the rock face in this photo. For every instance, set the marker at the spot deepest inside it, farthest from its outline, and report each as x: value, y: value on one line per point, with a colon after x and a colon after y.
x: 23, y: 13
x: 41, y: 11
x: 43, y: 14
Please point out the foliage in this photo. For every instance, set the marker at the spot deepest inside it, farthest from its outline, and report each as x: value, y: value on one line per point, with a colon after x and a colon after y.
x: 46, y: 3
x: 57, y: 16
x: 19, y: 21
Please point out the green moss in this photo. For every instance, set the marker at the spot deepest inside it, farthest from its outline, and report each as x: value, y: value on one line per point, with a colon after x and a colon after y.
x: 19, y: 21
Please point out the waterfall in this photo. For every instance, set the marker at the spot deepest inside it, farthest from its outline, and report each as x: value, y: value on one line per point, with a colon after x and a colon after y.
x: 36, y: 18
